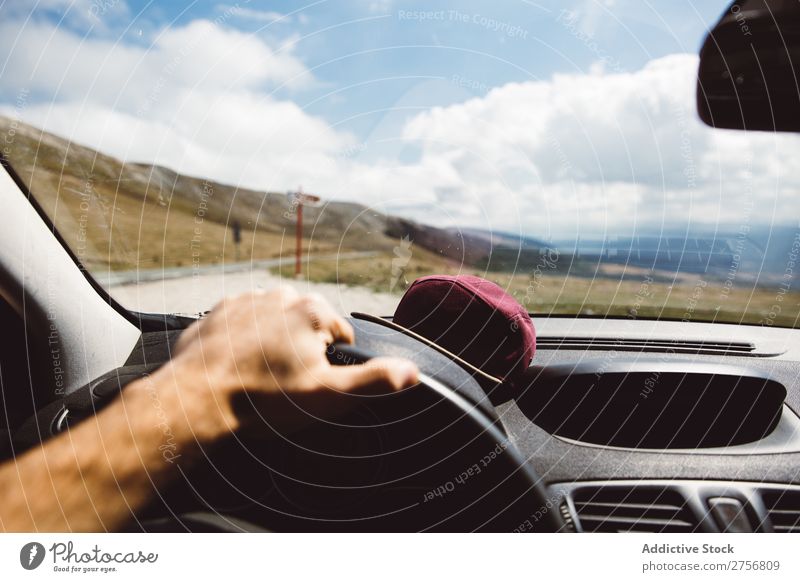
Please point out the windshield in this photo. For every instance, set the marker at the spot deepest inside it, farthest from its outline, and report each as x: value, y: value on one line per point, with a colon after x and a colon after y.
x: 186, y: 152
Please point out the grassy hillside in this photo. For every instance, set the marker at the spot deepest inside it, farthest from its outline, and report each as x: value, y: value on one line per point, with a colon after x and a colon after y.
x: 129, y: 216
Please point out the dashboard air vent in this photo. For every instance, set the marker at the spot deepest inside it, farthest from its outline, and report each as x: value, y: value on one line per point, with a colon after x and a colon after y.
x: 783, y: 510
x: 643, y: 345
x: 569, y: 523
x: 632, y: 509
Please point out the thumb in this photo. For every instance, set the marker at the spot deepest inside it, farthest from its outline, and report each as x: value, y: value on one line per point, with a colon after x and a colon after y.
x: 377, y: 376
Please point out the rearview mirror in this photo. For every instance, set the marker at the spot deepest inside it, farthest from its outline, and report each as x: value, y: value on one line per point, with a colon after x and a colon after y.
x: 749, y: 76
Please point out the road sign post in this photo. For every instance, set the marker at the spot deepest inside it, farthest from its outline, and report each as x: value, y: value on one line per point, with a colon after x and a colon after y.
x: 298, y: 265
x: 298, y: 200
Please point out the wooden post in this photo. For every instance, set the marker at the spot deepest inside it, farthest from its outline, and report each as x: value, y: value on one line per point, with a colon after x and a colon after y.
x: 299, y: 242
x: 298, y: 199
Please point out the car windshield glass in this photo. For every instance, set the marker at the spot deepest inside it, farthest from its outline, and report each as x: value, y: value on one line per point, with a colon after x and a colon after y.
x: 185, y: 153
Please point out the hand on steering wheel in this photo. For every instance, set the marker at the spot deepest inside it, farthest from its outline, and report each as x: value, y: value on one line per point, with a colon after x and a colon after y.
x: 261, y: 358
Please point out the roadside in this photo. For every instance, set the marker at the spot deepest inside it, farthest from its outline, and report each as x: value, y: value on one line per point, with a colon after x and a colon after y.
x: 197, y: 293
x: 115, y: 278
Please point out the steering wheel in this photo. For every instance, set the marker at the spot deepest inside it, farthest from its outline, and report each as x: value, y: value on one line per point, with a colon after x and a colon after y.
x: 434, y: 457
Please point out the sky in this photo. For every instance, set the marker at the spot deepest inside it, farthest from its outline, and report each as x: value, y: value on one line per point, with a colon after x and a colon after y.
x: 545, y: 118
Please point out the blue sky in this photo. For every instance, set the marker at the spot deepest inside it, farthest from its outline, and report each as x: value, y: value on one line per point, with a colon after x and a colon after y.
x: 348, y: 42
x: 551, y: 118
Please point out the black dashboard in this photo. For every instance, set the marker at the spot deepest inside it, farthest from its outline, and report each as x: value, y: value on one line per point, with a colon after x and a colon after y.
x: 722, y: 452
x: 630, y: 426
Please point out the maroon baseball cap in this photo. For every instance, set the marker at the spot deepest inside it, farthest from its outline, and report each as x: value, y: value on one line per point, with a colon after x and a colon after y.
x: 472, y: 318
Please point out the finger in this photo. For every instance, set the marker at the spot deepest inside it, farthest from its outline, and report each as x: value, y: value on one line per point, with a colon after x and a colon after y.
x: 326, y: 336
x: 325, y: 320
x: 282, y: 295
x: 377, y: 376
x: 285, y: 293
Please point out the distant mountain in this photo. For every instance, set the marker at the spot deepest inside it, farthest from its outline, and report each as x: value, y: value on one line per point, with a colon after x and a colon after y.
x: 499, y: 238
x: 758, y: 253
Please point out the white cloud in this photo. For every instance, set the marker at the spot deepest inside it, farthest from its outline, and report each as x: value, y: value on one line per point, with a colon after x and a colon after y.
x: 199, y: 56
x: 573, y: 153
x: 604, y: 150
x: 379, y: 6
x: 252, y: 14
x: 197, y: 99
